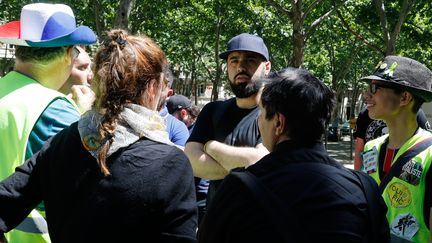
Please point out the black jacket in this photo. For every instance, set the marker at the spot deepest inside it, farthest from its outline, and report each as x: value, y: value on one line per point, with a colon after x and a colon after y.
x: 321, y: 201
x: 149, y: 196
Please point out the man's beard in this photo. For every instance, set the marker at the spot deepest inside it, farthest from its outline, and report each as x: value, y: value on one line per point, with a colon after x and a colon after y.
x: 245, y: 90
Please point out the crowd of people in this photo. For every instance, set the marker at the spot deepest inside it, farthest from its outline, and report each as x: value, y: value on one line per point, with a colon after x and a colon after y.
x: 102, y: 151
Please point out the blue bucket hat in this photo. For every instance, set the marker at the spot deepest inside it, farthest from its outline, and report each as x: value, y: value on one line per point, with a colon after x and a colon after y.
x: 246, y: 42
x: 46, y: 25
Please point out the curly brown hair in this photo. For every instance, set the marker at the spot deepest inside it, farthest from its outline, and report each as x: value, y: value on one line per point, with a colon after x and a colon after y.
x: 124, y: 67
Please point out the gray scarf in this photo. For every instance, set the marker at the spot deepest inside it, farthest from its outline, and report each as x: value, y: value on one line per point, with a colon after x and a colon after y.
x: 134, y: 122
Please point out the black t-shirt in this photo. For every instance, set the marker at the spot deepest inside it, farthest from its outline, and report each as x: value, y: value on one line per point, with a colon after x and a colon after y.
x: 225, y: 122
x: 368, y: 129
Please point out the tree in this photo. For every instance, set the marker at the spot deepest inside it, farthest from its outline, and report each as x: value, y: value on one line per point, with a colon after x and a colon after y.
x: 123, y: 12
x: 301, y: 28
x: 390, y: 37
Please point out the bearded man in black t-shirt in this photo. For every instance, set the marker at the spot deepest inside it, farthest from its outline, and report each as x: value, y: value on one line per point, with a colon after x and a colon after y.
x: 226, y: 134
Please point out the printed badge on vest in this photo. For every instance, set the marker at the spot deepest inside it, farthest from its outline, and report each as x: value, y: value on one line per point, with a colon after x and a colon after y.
x: 370, y: 160
x: 411, y: 172
x: 399, y: 195
x: 405, y: 226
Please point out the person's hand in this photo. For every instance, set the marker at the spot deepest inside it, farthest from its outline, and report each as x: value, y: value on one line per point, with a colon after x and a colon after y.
x: 83, y: 97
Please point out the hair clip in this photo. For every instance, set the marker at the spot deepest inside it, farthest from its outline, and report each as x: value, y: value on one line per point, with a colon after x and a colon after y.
x: 122, y: 42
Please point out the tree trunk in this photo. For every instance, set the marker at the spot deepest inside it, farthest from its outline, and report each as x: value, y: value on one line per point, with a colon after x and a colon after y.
x: 298, y: 38
x: 195, y: 84
x: 390, y: 39
x: 218, y: 75
x: 99, y: 21
x: 123, y: 12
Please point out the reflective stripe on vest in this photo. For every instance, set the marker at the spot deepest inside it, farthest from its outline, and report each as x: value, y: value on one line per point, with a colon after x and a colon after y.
x: 34, y: 224
x: 404, y: 194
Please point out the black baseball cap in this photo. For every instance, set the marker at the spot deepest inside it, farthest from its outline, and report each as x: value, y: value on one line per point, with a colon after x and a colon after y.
x: 246, y: 42
x: 177, y: 102
x: 406, y: 74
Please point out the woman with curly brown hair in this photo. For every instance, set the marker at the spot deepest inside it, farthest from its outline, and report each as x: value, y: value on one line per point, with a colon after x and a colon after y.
x: 113, y: 176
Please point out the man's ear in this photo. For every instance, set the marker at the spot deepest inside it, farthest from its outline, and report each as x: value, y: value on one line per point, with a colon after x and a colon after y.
x: 280, y: 123
x: 68, y: 56
x: 170, y: 92
x: 183, y: 112
x: 267, y: 67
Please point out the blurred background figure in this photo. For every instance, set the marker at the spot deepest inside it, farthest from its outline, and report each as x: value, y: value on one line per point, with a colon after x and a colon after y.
x: 182, y: 108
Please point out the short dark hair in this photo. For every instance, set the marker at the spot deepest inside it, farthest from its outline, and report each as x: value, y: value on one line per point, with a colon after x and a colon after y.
x: 194, y: 111
x: 305, y: 101
x: 39, y: 54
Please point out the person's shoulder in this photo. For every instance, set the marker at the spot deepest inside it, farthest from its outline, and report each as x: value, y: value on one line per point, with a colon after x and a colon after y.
x: 177, y: 122
x: 174, y: 124
x: 422, y: 120
x: 177, y: 130
x: 57, y: 116
x: 421, y: 115
x: 62, y: 106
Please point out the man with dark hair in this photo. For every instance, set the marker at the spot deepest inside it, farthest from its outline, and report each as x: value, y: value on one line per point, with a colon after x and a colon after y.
x: 226, y: 135
x: 31, y: 108
x: 297, y: 193
x: 400, y: 161
x: 182, y: 108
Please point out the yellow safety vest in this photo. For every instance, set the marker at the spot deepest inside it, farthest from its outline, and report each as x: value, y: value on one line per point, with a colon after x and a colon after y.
x: 404, y: 193
x: 22, y: 101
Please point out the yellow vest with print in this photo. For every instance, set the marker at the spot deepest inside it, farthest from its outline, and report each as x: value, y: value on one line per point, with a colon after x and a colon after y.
x: 22, y: 101
x: 404, y: 194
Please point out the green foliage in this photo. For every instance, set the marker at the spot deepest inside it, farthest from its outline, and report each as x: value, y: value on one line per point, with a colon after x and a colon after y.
x: 194, y: 32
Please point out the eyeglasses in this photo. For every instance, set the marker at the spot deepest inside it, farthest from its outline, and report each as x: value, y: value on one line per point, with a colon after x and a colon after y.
x: 373, y: 87
x: 75, y: 52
